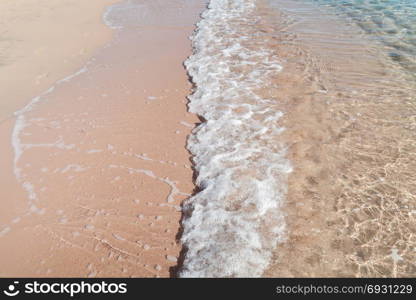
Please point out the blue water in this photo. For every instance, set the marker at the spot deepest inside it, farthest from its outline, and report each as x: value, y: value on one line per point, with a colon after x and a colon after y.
x: 392, y: 22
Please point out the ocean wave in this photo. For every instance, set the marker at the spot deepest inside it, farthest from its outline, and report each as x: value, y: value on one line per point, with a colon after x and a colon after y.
x: 235, y: 220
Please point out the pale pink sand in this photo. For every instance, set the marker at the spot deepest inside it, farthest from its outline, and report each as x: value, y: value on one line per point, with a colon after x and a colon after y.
x: 105, y: 161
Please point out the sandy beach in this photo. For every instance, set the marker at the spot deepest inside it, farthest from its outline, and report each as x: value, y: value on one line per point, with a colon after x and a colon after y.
x: 96, y: 167
x: 42, y: 41
x: 221, y: 138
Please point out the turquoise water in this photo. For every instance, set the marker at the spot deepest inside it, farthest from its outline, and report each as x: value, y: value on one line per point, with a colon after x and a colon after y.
x: 392, y: 22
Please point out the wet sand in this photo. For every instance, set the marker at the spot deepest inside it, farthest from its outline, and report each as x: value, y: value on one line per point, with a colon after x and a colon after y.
x: 42, y: 41
x: 99, y: 166
x: 34, y: 55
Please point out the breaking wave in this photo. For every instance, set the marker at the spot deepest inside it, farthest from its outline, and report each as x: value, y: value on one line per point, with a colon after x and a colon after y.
x: 234, y: 222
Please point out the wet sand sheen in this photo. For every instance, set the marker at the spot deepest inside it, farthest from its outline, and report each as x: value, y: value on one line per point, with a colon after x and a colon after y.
x: 34, y: 55
x: 104, y: 160
x: 34, y: 52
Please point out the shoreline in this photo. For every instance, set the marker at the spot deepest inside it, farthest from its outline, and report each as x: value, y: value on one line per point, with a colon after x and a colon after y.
x: 279, y: 143
x: 38, y: 57
x: 27, y: 63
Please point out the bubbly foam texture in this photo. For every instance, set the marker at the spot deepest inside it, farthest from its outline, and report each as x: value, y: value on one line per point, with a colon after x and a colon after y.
x: 234, y: 222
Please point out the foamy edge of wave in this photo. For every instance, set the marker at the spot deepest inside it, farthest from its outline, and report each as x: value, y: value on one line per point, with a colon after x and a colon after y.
x: 19, y: 147
x: 233, y: 223
x: 107, y: 20
x: 21, y: 123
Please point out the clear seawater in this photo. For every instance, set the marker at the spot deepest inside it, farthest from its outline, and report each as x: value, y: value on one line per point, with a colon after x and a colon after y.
x: 350, y: 67
x: 305, y: 156
x: 392, y: 22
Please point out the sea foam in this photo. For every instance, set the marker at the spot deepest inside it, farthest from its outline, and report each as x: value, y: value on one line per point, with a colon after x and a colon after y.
x: 234, y: 222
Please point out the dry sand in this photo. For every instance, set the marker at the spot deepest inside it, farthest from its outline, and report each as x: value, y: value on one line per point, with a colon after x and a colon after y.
x: 104, y: 167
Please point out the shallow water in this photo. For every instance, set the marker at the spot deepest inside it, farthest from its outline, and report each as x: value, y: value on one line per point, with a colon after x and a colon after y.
x: 391, y: 22
x: 351, y: 124
x: 233, y: 222
x: 347, y: 126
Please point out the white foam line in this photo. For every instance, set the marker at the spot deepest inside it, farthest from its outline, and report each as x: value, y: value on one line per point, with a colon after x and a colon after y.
x: 106, y: 18
x: 19, y: 147
x: 74, y: 167
x: 174, y: 191
x: 235, y: 220
x: 21, y: 124
x: 186, y: 124
x: 72, y: 76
